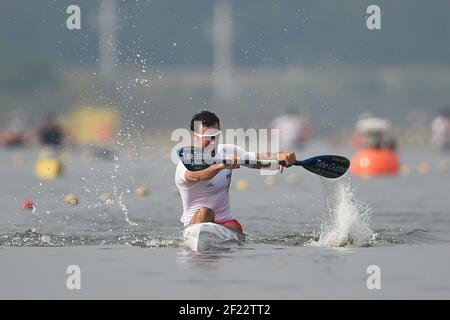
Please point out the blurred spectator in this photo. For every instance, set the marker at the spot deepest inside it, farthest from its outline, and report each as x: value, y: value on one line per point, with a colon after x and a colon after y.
x: 15, y: 133
x: 440, y: 130
x: 295, y: 128
x: 373, y: 132
x: 51, y: 133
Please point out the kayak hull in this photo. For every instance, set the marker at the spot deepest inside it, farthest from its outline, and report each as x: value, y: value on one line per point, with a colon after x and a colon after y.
x: 208, y: 235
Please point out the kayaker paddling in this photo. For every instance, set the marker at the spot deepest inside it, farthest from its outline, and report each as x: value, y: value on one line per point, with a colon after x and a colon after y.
x: 205, y: 193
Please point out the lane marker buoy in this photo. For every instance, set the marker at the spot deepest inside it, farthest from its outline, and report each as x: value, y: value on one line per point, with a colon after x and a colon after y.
x: 404, y: 170
x: 444, y: 166
x: 292, y: 178
x: 104, y: 197
x: 142, y: 191
x: 270, y: 181
x: 424, y: 168
x: 242, y: 184
x: 27, y: 204
x: 48, y: 168
x: 71, y: 199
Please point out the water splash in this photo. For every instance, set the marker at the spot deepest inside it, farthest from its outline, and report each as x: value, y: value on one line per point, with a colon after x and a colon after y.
x: 347, y: 223
x: 292, y: 239
x: 34, y: 238
x: 119, y: 198
x: 155, y: 239
x: 124, y: 209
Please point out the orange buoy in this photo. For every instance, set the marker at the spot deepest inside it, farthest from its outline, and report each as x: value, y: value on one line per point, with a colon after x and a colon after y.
x: 375, y: 162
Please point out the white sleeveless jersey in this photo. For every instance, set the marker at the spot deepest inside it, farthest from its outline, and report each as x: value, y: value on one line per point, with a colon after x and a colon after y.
x: 214, y: 193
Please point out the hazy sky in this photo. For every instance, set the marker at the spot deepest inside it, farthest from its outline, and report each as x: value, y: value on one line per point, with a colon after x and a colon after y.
x: 394, y: 70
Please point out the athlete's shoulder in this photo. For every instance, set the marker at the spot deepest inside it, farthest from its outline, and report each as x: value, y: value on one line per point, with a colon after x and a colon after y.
x: 180, y: 171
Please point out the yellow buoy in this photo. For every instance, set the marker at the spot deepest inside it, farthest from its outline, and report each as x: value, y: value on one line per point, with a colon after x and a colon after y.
x: 242, y: 184
x: 48, y: 168
x: 270, y: 181
x: 142, y: 191
x: 71, y: 199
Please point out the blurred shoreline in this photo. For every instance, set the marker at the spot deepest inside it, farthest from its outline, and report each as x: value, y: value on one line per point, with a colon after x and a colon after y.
x: 333, y: 96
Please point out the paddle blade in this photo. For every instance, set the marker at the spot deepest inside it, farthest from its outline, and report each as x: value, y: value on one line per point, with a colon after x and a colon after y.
x: 194, y: 159
x: 328, y: 166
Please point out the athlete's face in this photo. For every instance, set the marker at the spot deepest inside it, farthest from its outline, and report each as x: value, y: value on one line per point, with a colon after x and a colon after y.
x: 207, y: 137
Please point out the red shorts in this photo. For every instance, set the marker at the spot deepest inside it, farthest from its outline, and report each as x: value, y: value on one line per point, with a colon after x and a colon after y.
x: 232, y: 222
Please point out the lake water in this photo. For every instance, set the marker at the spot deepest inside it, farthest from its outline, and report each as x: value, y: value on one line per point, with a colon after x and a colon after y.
x: 307, y: 237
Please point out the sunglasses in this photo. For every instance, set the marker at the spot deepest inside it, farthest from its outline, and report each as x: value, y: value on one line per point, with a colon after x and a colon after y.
x: 209, y: 137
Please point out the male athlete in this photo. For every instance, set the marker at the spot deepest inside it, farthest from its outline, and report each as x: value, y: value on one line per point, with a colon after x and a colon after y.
x: 205, y: 193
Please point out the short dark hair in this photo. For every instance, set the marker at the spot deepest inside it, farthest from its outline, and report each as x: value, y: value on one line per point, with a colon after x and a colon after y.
x: 206, y: 117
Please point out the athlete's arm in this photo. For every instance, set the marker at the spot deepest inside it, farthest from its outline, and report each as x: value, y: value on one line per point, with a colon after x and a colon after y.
x: 288, y: 157
x: 210, y: 172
